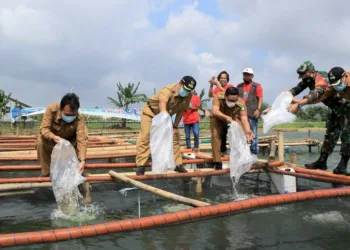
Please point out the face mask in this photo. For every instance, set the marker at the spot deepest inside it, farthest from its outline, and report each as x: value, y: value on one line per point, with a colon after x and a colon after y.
x: 340, y: 87
x: 247, y: 81
x: 309, y: 80
x: 230, y: 104
x: 68, y: 119
x: 223, y: 83
x: 183, y: 92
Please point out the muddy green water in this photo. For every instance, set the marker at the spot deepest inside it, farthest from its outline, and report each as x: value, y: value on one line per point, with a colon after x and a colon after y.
x: 319, y: 224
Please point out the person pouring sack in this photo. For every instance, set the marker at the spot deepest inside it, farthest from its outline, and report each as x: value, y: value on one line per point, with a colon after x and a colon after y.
x: 226, y: 109
x: 337, y: 96
x: 174, y: 99
x: 221, y: 83
x: 62, y: 121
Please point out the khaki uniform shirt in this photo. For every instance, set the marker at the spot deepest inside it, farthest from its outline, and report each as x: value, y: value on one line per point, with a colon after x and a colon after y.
x: 330, y: 91
x: 52, y: 125
x: 176, y: 104
x: 234, y: 112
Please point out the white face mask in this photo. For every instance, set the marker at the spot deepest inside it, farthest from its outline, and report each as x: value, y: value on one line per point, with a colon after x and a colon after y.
x: 230, y: 104
x: 223, y: 83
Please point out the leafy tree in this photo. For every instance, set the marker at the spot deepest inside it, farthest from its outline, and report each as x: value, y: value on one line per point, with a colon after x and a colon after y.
x: 126, y: 96
x: 203, y: 103
x: 4, y: 100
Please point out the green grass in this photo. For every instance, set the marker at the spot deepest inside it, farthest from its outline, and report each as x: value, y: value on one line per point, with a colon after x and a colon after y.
x: 6, y: 129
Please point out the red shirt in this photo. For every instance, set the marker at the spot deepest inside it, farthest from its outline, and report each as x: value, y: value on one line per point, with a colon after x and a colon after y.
x: 191, y: 116
x: 217, y: 90
x: 246, y: 89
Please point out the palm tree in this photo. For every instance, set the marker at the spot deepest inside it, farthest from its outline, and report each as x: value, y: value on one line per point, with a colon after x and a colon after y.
x: 203, y: 101
x: 126, y: 96
x: 4, y: 100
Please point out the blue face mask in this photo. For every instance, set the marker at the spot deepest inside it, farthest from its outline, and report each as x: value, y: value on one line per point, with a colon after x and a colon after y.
x: 183, y: 92
x: 68, y: 119
x: 340, y: 87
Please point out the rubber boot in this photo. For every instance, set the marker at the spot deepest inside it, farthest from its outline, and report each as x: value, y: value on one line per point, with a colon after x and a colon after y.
x: 180, y: 169
x: 343, y: 164
x: 218, y: 165
x: 321, y: 163
x: 140, y: 170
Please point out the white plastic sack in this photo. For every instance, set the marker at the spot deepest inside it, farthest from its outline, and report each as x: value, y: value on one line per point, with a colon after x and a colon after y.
x: 65, y: 177
x: 241, y: 158
x: 279, y: 112
x: 161, y: 142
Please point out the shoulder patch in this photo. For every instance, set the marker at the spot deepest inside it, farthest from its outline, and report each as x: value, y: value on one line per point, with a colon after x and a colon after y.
x: 241, y: 106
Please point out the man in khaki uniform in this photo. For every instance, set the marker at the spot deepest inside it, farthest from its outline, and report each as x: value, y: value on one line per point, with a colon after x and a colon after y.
x: 175, y: 99
x: 62, y: 120
x: 227, y: 108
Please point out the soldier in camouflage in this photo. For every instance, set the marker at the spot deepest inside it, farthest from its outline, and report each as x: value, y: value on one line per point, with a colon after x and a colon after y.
x: 317, y: 82
x: 338, y: 119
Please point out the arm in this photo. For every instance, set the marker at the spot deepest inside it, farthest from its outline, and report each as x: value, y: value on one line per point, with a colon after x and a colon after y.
x: 246, y: 127
x: 216, y: 110
x: 164, y: 97
x: 298, y: 89
x: 82, y: 139
x: 211, y: 91
x: 45, y: 127
x: 178, y: 118
x: 259, y: 95
x: 245, y: 123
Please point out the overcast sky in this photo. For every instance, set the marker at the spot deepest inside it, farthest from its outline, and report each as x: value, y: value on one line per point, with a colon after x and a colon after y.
x: 48, y: 46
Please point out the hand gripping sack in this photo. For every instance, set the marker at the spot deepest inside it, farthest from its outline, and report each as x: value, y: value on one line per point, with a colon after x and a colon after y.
x: 65, y: 177
x: 241, y: 158
x: 279, y: 112
x: 161, y: 142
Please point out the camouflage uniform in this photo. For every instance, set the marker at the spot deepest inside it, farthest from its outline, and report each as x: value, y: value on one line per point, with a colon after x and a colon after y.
x: 333, y: 124
x: 337, y: 125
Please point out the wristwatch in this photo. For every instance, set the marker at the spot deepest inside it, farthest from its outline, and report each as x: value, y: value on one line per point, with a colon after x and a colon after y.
x: 175, y: 126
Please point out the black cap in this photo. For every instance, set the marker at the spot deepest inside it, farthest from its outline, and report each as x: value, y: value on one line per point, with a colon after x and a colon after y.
x: 335, y: 74
x: 189, y: 83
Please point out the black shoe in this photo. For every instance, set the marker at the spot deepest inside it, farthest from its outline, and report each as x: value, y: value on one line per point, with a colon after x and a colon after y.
x: 218, y: 166
x: 180, y: 169
x: 140, y: 170
x: 321, y: 163
x: 342, y: 166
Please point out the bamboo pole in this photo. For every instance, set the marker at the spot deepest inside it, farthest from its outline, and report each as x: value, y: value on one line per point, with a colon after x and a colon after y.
x: 272, y: 150
x: 158, y: 191
x: 280, y: 147
x: 3, y: 194
x: 293, y: 158
x: 18, y: 186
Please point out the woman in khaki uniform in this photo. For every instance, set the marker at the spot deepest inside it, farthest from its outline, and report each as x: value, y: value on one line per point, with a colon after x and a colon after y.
x: 227, y: 108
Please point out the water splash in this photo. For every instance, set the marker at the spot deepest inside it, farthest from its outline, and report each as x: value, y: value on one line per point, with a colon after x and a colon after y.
x: 235, y: 194
x: 84, y: 214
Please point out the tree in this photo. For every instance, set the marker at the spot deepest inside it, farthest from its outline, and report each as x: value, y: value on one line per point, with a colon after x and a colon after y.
x: 203, y: 103
x: 4, y: 100
x: 264, y: 106
x: 126, y: 96
x: 23, y: 118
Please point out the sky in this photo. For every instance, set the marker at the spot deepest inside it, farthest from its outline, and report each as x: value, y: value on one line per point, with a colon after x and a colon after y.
x: 48, y: 47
